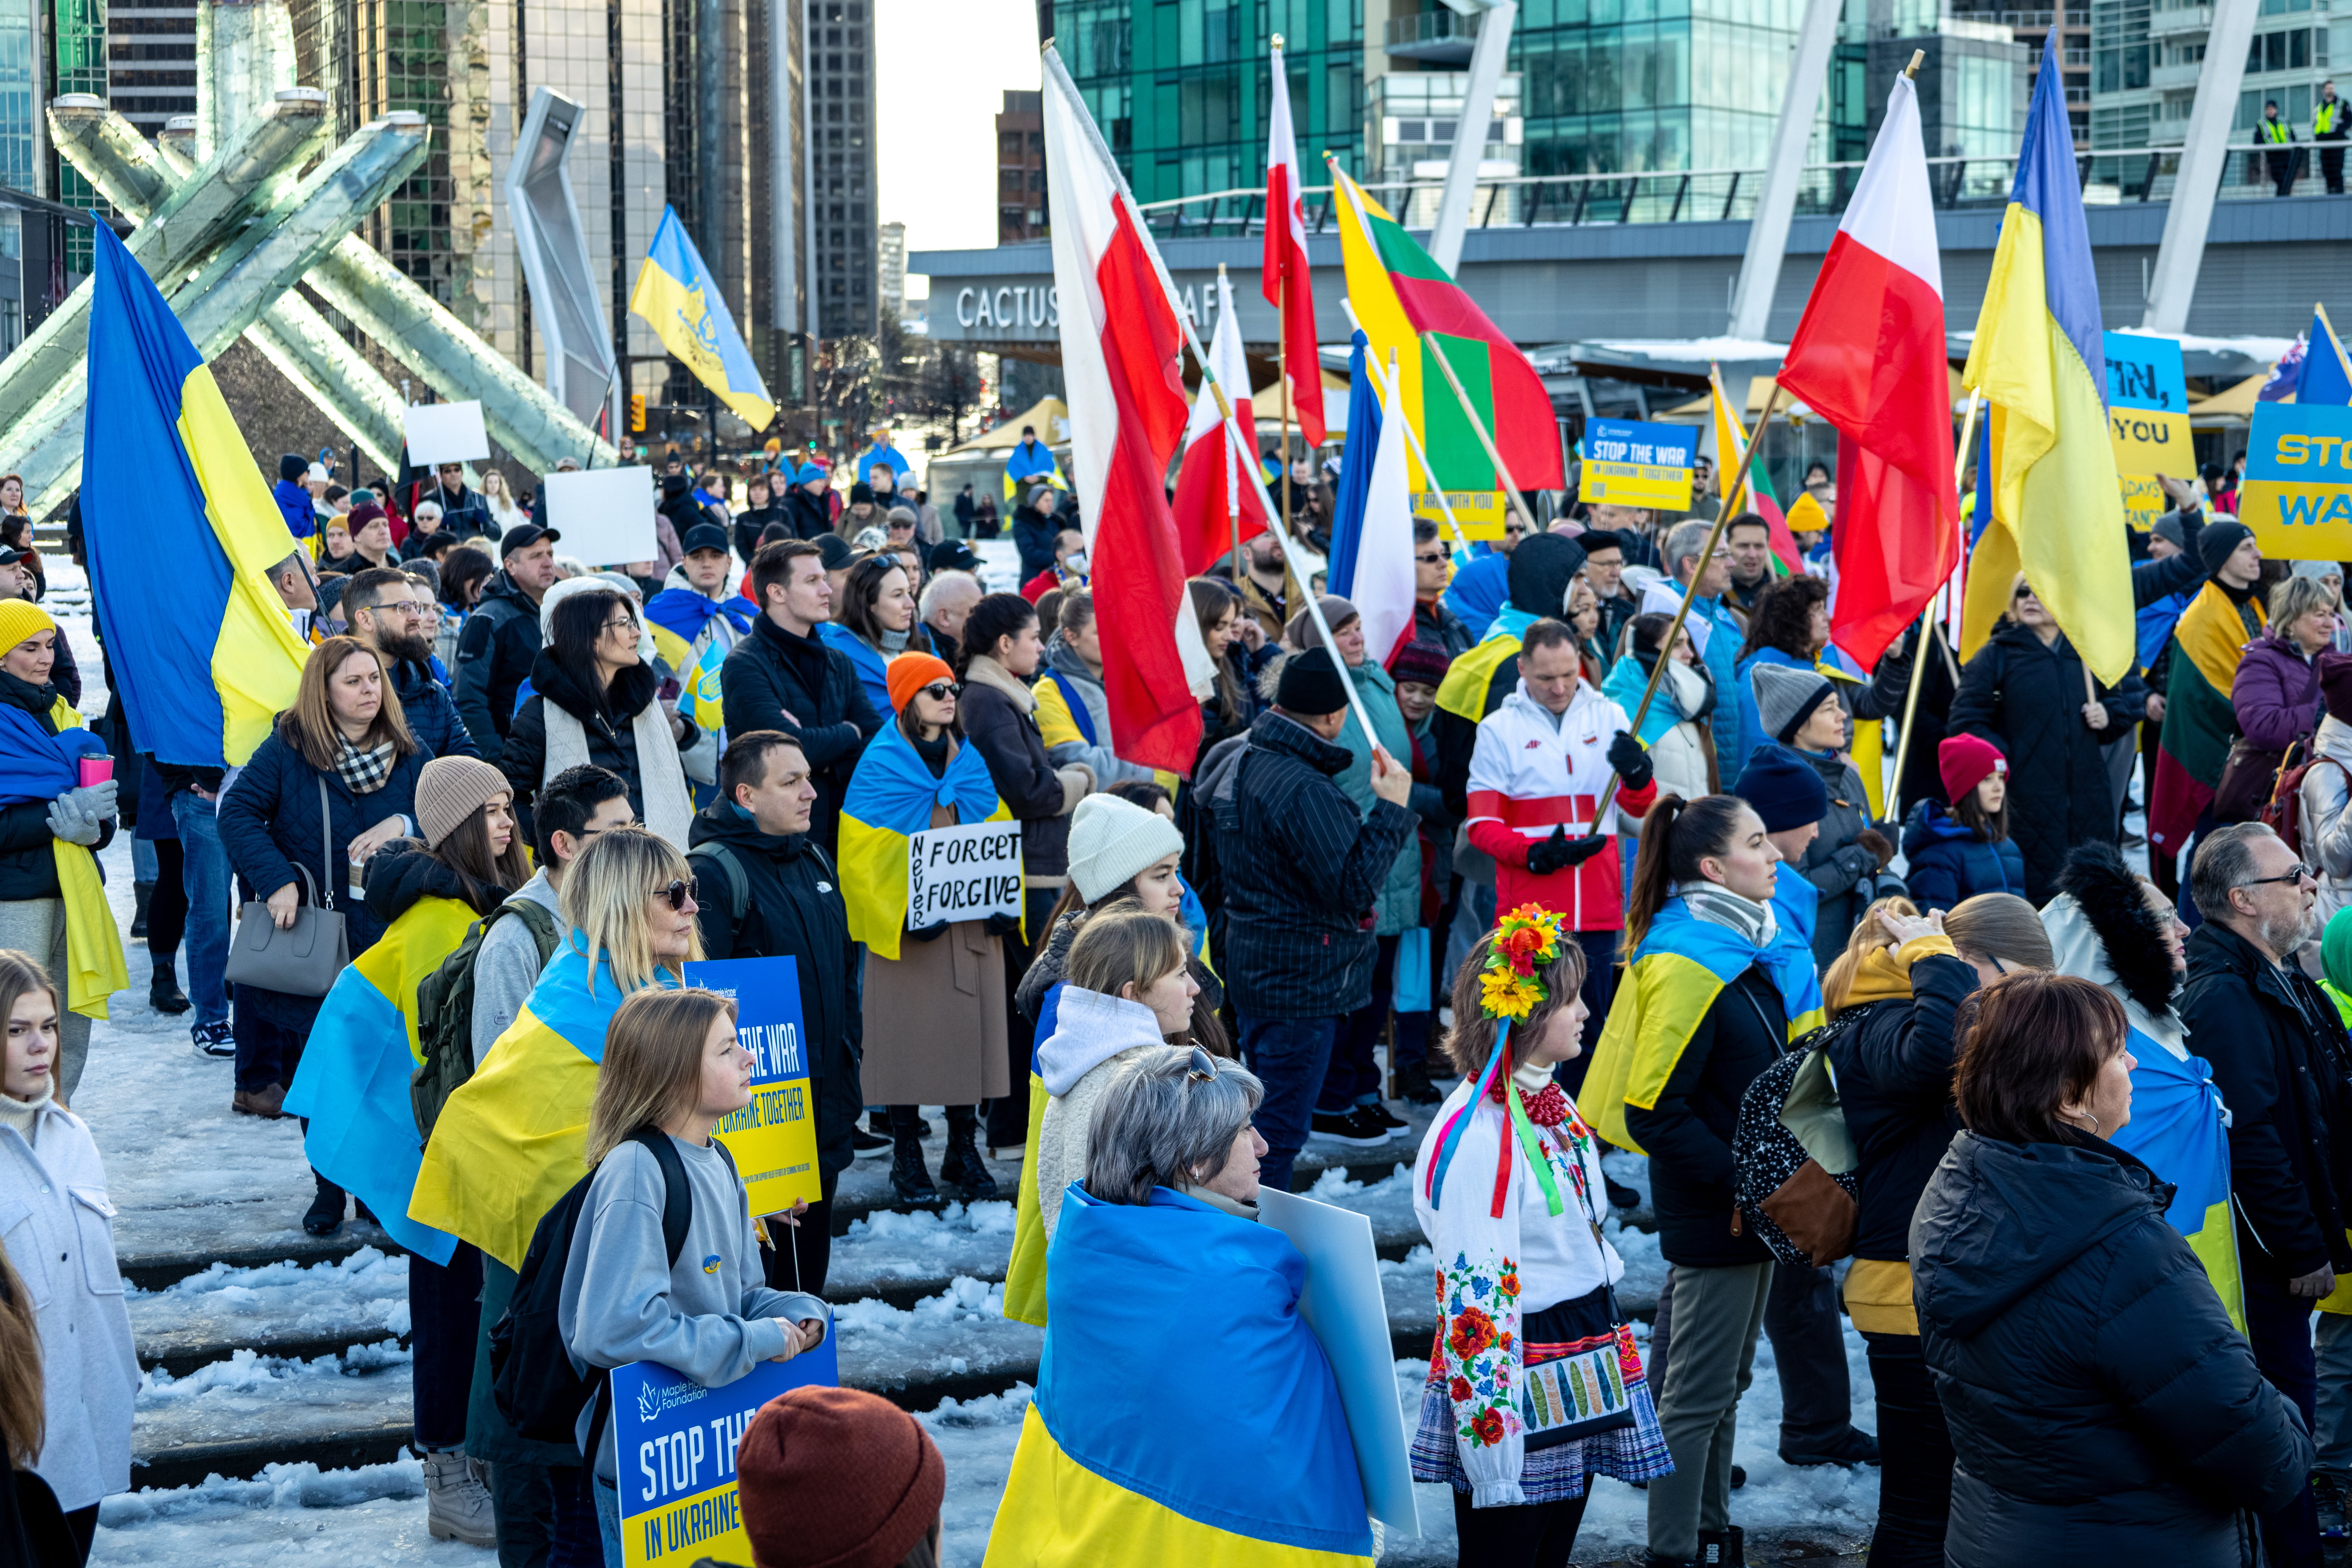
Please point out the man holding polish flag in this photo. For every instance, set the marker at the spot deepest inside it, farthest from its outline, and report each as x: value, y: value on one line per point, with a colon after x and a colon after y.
x: 1869, y: 358
x: 1285, y: 268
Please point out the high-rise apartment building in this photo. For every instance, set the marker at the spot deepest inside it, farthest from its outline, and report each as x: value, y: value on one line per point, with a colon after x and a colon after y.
x: 844, y: 290
x: 890, y: 269
x: 150, y: 59
x: 1020, y: 168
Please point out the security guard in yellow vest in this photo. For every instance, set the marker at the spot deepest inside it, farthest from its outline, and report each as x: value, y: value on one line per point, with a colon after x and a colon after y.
x: 2329, y: 127
x: 2278, y: 152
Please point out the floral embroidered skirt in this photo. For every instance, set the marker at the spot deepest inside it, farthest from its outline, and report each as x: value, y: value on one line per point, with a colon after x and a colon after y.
x: 1634, y: 1453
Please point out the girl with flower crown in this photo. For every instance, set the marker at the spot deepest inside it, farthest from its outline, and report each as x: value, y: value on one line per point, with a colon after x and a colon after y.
x: 1534, y: 1383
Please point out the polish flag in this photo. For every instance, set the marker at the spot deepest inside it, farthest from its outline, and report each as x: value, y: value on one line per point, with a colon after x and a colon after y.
x: 1212, y: 492
x: 1121, y: 353
x: 1869, y: 358
x: 1284, y: 270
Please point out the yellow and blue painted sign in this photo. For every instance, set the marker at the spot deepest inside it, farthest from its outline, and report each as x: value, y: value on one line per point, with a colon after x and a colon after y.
x: 774, y: 1139
x: 2147, y: 407
x: 1628, y: 463
x: 674, y: 1446
x: 2298, y: 492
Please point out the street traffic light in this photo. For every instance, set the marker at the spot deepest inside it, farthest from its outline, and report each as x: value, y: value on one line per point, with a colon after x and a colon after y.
x: 636, y: 411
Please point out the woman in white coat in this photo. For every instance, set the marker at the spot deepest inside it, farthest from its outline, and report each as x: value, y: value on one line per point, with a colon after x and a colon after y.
x: 57, y: 1226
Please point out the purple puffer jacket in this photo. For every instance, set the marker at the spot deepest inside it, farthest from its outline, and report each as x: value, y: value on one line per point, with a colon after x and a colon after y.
x: 2275, y: 693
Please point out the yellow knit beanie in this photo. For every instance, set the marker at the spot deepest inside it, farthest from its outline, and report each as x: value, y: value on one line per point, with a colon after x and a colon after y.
x: 20, y: 619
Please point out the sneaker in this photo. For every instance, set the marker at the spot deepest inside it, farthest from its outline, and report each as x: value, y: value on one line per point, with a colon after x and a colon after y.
x: 1374, y: 1110
x: 1849, y: 1447
x: 1348, y: 1127
x: 865, y: 1144
x: 457, y: 1501
x: 213, y: 1040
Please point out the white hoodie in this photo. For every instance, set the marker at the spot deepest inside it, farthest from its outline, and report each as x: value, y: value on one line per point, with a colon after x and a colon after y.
x: 1092, y: 1034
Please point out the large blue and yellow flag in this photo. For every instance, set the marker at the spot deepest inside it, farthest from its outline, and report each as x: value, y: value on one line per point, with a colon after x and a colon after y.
x: 513, y: 1139
x: 680, y: 301
x: 1185, y: 1412
x: 353, y: 1082
x: 2040, y: 362
x: 2177, y: 1131
x: 889, y: 800
x: 676, y: 617
x: 182, y: 532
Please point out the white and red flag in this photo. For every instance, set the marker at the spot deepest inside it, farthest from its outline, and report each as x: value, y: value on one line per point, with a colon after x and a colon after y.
x: 1869, y: 357
x: 1121, y: 353
x: 1212, y: 494
x: 1285, y: 270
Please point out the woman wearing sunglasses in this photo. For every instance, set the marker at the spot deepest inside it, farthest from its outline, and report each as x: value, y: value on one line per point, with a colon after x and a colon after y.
x: 935, y: 996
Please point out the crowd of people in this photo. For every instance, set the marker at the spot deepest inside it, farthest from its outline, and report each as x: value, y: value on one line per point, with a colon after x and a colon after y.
x: 1608, y: 851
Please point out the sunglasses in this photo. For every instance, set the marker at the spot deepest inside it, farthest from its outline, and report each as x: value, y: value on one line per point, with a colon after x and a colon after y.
x: 2020, y: 593
x: 1201, y: 1068
x: 1430, y: 559
x: 680, y: 892
x: 2294, y: 874
x: 940, y: 690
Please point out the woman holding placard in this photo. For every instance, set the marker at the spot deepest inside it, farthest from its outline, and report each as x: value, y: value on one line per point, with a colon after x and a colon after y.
x: 935, y: 1003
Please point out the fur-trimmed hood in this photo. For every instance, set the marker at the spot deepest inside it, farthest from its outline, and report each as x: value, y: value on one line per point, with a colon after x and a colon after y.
x: 2103, y: 929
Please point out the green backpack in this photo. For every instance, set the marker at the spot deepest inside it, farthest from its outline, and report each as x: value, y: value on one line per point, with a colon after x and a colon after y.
x: 444, y: 1011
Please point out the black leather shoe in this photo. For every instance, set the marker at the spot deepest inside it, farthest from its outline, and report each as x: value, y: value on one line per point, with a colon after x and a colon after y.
x: 326, y: 1215
x: 1413, y: 1087
x: 163, y: 994
x: 1850, y: 1447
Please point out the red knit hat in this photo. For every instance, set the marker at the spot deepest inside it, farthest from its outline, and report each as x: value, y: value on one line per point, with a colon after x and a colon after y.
x: 879, y: 1474
x: 910, y: 672
x: 1964, y: 760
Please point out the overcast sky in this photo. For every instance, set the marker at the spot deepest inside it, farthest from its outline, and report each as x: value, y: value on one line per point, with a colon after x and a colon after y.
x: 944, y: 67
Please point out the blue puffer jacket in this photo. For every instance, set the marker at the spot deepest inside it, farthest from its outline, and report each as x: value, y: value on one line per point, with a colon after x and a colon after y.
x: 1948, y: 862
x: 269, y: 824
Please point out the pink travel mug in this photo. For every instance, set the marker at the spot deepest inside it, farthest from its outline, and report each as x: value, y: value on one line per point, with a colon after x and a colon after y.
x: 89, y: 770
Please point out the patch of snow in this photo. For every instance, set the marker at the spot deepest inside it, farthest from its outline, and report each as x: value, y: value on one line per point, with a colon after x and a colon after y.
x: 961, y: 1331
x: 1387, y: 1203
x: 364, y: 1295
x: 890, y: 1244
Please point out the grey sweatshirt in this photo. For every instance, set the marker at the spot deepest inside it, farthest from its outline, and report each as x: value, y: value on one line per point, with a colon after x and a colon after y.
x: 709, y: 1319
x: 506, y: 966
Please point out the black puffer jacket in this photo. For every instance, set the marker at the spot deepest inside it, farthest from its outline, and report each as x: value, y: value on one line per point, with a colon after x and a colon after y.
x: 1894, y: 1072
x: 494, y: 654
x: 793, y: 910
x: 28, y: 863
x: 2027, y: 700
x: 607, y: 719
x: 2101, y: 1406
x: 775, y: 680
x: 1688, y: 1132
x: 431, y: 711
x: 405, y: 871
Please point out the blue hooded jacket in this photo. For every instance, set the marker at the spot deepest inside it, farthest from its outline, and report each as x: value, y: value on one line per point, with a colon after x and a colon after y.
x: 1948, y: 862
x: 293, y: 499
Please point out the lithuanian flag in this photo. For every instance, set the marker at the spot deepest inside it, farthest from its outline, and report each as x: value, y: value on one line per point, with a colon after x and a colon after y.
x: 1399, y: 292
x: 888, y: 800
x: 353, y: 1082
x: 1683, y: 965
x: 2199, y: 719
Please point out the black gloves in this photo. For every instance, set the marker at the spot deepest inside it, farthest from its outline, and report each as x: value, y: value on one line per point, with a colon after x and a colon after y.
x: 1631, y: 759
x: 1559, y: 852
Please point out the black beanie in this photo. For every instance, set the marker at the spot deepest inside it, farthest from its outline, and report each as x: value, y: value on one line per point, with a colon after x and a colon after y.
x: 1539, y: 572
x: 1784, y: 789
x: 1310, y: 684
x: 2220, y: 542
x: 291, y: 467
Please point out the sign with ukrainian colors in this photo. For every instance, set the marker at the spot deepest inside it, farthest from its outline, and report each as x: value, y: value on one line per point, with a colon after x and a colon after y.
x: 2144, y: 500
x: 1479, y: 513
x: 2298, y: 492
x: 674, y: 1446
x: 774, y: 1139
x: 1631, y: 463
x: 2147, y: 407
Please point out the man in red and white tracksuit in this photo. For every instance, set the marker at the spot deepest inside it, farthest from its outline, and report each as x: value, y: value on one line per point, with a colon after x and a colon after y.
x: 1535, y: 777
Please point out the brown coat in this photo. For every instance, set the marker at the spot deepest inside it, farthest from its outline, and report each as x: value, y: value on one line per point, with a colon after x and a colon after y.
x: 936, y: 1021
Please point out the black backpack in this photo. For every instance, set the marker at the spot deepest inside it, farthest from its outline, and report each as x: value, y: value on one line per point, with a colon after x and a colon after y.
x: 444, y: 1011
x: 538, y: 1389
x: 1776, y: 1177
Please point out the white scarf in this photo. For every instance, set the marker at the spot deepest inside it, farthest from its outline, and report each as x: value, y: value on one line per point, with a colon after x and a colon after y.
x: 668, y: 811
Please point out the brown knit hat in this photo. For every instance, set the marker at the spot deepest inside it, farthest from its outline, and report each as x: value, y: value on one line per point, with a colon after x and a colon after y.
x: 451, y: 789
x: 880, y: 1476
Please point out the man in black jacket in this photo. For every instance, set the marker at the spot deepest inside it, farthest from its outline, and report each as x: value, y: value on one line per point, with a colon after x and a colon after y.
x: 1301, y: 872
x: 391, y: 613
x: 502, y: 635
x: 463, y: 512
x: 2279, y: 1056
x: 783, y: 678
x: 759, y: 511
x: 767, y: 891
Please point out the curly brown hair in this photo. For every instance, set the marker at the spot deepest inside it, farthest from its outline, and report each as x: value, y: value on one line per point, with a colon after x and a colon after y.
x: 1783, y: 617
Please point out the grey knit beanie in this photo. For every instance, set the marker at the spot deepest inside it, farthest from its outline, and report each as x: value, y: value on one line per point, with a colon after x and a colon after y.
x: 1785, y: 697
x: 451, y: 789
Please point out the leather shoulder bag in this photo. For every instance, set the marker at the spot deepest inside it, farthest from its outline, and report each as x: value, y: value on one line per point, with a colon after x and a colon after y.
x: 304, y: 959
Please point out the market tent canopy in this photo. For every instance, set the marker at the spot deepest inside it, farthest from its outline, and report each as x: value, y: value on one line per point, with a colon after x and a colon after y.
x: 1265, y: 406
x: 2230, y: 406
x: 1051, y: 415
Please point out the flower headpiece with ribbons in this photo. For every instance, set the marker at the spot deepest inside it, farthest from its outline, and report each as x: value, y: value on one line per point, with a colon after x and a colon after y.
x: 1526, y: 942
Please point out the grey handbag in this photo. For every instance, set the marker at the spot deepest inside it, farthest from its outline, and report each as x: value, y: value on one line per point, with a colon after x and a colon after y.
x: 303, y: 960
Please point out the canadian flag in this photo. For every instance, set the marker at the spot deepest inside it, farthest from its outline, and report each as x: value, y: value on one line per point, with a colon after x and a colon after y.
x: 1284, y: 270
x: 1121, y: 352
x: 1212, y: 494
x: 1869, y: 357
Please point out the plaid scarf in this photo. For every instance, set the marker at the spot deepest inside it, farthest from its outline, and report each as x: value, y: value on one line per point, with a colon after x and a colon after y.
x: 363, y: 772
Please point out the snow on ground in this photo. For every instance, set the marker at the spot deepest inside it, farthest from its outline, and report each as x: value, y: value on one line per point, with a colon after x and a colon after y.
x: 363, y: 1297
x: 892, y: 1243
x: 962, y: 1331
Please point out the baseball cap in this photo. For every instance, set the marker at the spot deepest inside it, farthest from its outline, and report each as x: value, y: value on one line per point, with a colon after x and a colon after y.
x: 705, y: 536
x: 523, y: 536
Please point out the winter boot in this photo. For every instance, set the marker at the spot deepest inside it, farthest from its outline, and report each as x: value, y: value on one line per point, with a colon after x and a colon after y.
x: 963, y: 1167
x: 164, y: 993
x: 458, y: 1499
x: 140, y: 893
x: 326, y: 1215
x: 911, y: 1180
x: 1726, y: 1548
x: 1412, y: 1085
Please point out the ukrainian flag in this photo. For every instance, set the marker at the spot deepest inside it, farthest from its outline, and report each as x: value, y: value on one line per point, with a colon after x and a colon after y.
x: 1464, y: 690
x: 1683, y: 965
x: 2175, y: 1130
x: 678, y: 299
x: 513, y: 1139
x: 889, y: 799
x: 676, y: 617
x: 1185, y: 1412
x: 2040, y: 362
x: 354, y: 1078
x: 182, y: 532
x: 39, y: 764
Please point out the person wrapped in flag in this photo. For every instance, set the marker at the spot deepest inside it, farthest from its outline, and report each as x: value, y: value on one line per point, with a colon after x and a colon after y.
x: 1185, y: 1412
x: 1535, y: 1385
x: 694, y: 623
x: 2199, y: 719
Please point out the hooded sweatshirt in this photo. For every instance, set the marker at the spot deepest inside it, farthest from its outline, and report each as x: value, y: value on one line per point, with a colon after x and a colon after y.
x: 1092, y: 1034
x: 2336, y: 957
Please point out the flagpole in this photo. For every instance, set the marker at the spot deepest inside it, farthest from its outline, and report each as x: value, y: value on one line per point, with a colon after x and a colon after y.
x: 1681, y: 611
x: 1282, y: 340
x: 1232, y: 483
x: 1175, y: 302
x: 1927, y: 623
x: 1502, y: 470
x: 1380, y: 380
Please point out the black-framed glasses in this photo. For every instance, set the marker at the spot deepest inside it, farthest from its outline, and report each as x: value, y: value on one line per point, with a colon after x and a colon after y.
x: 940, y: 690
x: 2294, y: 874
x: 678, y: 892
x: 1201, y: 1068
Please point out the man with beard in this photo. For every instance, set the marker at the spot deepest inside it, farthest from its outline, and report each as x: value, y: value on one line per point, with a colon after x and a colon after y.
x: 389, y: 612
x: 2278, y: 1051
x: 1264, y: 585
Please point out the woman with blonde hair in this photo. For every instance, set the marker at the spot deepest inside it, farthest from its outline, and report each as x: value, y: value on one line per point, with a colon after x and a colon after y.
x: 673, y: 1070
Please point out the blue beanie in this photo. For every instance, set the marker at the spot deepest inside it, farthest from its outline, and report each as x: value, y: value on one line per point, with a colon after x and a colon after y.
x: 808, y: 472
x: 1784, y: 789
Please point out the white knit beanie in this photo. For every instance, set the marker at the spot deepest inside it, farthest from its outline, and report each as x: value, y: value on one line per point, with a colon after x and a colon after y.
x: 1113, y: 841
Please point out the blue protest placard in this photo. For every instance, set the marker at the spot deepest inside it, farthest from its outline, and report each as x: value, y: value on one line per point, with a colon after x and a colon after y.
x: 2148, y: 405
x: 1627, y: 463
x: 674, y: 1451
x: 2298, y: 492
x: 774, y: 1139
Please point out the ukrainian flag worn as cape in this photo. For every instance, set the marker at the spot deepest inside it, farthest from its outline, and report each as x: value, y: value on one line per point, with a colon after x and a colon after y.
x: 1464, y: 690
x: 889, y: 799
x: 676, y: 617
x: 2175, y: 1130
x: 354, y: 1078
x: 1185, y: 1412
x: 1024, y: 1275
x: 1683, y: 965
x: 513, y: 1139
x: 37, y: 765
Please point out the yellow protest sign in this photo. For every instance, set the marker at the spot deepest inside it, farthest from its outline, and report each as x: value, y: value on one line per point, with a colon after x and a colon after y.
x: 2297, y: 493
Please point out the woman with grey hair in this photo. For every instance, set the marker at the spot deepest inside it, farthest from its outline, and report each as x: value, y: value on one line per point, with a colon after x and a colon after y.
x: 1165, y: 1296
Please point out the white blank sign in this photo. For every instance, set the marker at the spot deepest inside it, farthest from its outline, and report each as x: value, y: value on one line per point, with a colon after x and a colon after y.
x: 442, y: 433
x: 605, y: 515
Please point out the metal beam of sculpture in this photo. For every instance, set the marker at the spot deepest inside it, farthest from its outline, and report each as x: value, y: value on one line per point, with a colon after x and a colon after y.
x: 553, y: 249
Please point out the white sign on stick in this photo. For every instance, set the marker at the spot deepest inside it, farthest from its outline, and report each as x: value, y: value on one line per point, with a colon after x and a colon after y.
x: 1341, y: 1302
x: 605, y: 515
x: 963, y: 873
x: 442, y: 433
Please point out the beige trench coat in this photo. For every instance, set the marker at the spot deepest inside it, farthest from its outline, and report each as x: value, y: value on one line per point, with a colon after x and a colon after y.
x: 936, y: 1016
